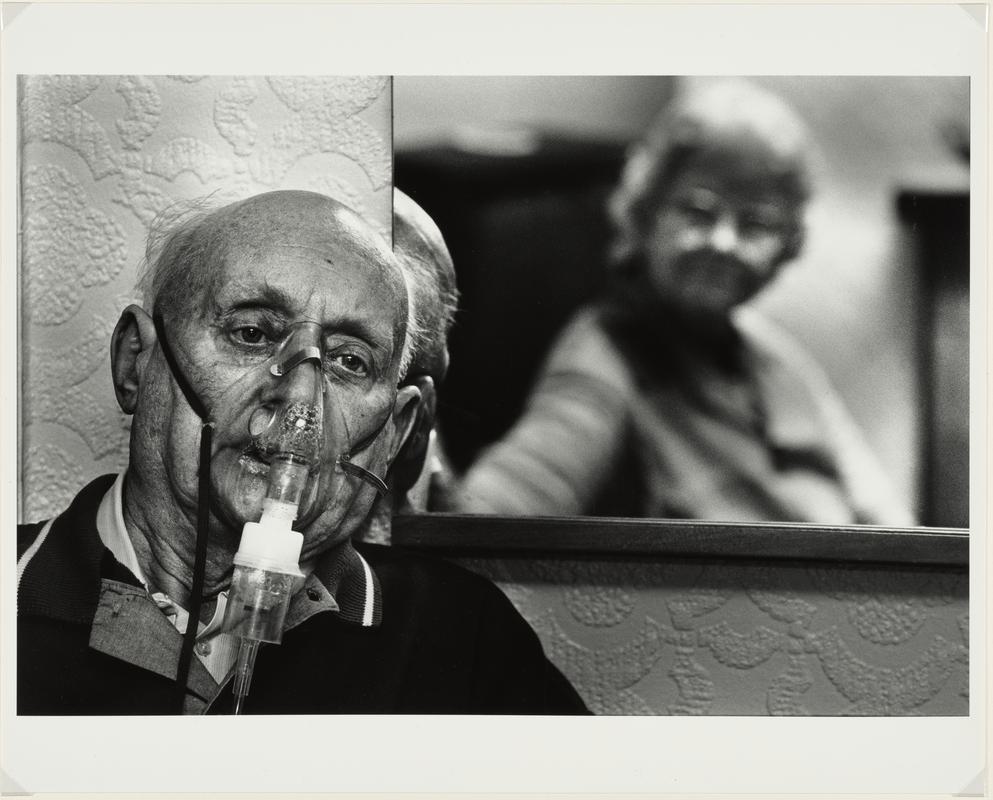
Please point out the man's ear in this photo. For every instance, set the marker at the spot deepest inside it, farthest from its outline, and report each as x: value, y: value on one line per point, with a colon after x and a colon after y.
x: 134, y: 335
x: 409, y: 461
x: 405, y: 413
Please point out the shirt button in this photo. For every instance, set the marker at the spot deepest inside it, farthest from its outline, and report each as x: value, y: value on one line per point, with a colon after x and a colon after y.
x: 203, y: 648
x: 313, y: 594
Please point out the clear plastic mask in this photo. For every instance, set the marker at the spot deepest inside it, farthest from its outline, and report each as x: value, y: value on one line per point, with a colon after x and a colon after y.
x: 290, y: 423
x: 285, y: 396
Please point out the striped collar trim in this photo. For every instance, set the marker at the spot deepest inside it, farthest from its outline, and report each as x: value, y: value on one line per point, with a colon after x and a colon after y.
x: 350, y: 581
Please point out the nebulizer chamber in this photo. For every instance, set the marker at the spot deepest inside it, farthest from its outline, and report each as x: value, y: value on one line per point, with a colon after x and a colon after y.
x: 287, y: 432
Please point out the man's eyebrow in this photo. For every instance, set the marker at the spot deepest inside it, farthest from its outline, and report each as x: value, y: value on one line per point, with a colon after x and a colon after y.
x: 266, y: 297
x: 360, y: 329
x: 274, y: 299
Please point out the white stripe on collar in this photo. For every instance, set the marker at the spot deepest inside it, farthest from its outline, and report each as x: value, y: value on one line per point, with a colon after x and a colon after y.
x: 370, y: 594
x: 25, y: 559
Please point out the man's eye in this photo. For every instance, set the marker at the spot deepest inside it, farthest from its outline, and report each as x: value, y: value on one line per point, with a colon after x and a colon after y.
x: 351, y: 363
x: 249, y: 334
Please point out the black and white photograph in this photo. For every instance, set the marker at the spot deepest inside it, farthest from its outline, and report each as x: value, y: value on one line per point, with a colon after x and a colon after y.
x: 519, y: 406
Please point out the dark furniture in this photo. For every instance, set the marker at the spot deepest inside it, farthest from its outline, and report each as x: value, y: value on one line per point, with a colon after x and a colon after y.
x: 528, y: 234
x: 936, y: 216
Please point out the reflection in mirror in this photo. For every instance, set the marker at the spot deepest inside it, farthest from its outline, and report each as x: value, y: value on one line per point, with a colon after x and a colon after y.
x: 694, y: 298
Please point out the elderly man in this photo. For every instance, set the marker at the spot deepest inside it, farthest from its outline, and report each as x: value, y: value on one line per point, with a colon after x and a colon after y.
x: 265, y: 383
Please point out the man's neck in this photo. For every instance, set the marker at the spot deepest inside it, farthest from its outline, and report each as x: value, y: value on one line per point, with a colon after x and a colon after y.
x: 164, y: 540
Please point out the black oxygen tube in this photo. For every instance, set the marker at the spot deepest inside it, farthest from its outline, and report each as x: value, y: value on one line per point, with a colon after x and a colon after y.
x: 203, y: 513
x: 199, y: 562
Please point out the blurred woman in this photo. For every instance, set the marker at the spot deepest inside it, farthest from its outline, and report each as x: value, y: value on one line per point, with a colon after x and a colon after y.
x: 669, y: 397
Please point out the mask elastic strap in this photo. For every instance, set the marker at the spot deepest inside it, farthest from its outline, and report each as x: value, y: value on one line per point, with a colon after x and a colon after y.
x: 177, y: 373
x: 377, y: 483
x: 349, y: 466
x: 203, y: 511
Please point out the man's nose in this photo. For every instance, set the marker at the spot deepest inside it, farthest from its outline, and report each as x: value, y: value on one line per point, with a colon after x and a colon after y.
x: 300, y: 384
x: 724, y: 237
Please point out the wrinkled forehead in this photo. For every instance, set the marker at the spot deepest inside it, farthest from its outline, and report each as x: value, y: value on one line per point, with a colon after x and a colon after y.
x: 298, y: 219
x: 320, y: 262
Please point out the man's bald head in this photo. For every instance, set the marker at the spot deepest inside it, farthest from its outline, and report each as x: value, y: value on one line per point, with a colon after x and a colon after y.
x: 190, y: 243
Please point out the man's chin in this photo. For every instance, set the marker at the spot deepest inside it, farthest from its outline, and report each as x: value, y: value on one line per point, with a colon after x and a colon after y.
x: 234, y: 506
x: 233, y: 516
x: 238, y: 499
x: 236, y: 511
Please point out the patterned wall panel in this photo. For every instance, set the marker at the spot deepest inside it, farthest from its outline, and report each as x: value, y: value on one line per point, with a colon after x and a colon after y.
x: 736, y: 638
x: 99, y: 157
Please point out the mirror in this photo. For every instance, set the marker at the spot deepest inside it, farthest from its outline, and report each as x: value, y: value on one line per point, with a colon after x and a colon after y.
x: 518, y: 172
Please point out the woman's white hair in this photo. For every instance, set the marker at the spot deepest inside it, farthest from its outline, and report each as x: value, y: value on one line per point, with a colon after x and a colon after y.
x: 723, y: 114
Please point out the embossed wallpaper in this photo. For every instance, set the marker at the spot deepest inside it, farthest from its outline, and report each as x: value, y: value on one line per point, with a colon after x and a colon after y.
x: 100, y: 156
x: 736, y: 638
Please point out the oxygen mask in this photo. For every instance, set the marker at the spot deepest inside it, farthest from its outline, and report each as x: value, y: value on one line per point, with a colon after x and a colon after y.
x: 273, y: 417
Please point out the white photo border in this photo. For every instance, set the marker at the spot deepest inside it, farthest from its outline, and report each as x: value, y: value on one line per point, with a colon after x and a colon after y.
x: 496, y: 754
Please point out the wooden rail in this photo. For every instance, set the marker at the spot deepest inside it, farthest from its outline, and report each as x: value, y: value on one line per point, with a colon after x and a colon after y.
x: 469, y: 535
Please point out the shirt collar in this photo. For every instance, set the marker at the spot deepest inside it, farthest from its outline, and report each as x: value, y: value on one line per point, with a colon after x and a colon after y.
x: 342, y: 581
x: 114, y: 533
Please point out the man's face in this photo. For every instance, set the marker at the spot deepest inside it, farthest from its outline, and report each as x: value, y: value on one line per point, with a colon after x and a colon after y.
x: 287, y: 260
x: 718, y: 236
